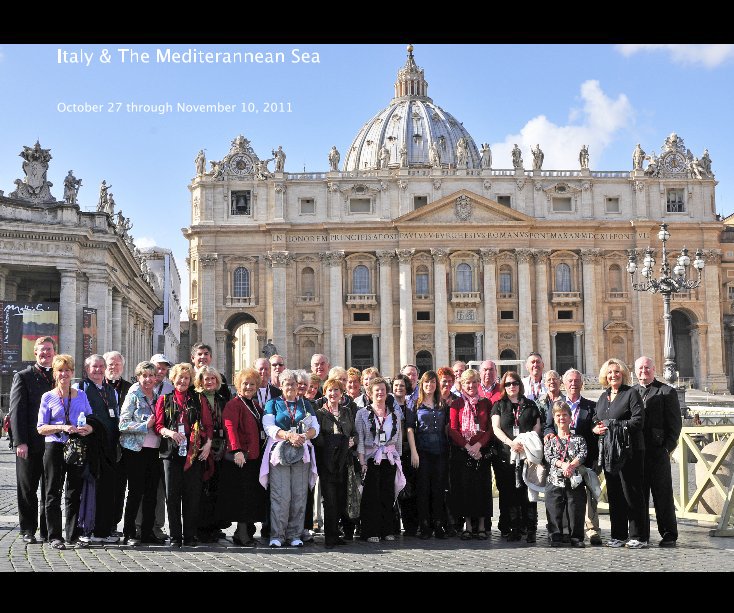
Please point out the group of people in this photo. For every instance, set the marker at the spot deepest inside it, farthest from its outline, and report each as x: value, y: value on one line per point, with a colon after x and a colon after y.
x: 362, y: 455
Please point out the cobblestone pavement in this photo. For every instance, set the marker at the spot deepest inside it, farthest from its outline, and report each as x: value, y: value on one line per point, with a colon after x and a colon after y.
x: 696, y: 551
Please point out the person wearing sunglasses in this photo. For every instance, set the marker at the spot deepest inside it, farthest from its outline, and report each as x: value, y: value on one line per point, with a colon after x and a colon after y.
x: 512, y: 415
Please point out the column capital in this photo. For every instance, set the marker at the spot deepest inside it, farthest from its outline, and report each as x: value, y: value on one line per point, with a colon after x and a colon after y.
x: 68, y: 274
x: 590, y: 255
x: 208, y: 259
x: 333, y: 258
x: 541, y: 255
x: 452, y: 334
x: 278, y: 259
x: 488, y: 255
x: 554, y: 333
x: 373, y: 336
x: 712, y: 256
x: 523, y: 255
x: 440, y: 256
x: 405, y: 255
x: 385, y: 256
x: 579, y: 333
x: 349, y: 336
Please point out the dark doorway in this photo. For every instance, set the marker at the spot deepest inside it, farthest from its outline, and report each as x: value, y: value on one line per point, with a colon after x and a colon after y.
x: 362, y: 356
x: 424, y: 362
x: 565, y: 357
x: 507, y: 354
x: 466, y: 347
x: 682, y: 343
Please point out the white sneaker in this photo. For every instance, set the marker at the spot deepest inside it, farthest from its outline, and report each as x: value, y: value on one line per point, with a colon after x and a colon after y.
x: 296, y: 543
x: 615, y: 543
x: 87, y: 539
x: 635, y: 544
x: 390, y: 537
x: 275, y: 543
x: 373, y: 539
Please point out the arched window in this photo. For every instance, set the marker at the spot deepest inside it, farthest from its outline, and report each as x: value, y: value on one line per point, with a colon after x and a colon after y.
x: 421, y: 281
x: 241, y: 284
x: 563, y: 278
x: 505, y: 280
x: 463, y: 278
x: 615, y: 278
x: 361, y: 280
x: 308, y: 282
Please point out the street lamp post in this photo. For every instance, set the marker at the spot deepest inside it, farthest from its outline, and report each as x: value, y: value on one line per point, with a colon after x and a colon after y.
x: 668, y: 283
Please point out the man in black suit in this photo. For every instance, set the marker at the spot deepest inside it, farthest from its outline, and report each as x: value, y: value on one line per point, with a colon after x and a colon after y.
x: 25, y: 399
x: 583, y: 417
x: 663, y: 423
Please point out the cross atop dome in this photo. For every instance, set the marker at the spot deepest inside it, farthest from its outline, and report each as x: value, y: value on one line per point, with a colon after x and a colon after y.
x: 411, y: 81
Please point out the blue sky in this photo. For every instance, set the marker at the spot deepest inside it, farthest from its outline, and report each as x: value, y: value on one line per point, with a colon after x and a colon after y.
x: 609, y: 97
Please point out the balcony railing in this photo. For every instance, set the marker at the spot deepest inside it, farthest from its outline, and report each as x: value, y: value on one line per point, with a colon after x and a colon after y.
x: 361, y: 300
x: 307, y: 299
x: 466, y: 297
x: 240, y: 301
x: 617, y: 295
x: 566, y: 297
x: 506, y: 296
x: 422, y: 297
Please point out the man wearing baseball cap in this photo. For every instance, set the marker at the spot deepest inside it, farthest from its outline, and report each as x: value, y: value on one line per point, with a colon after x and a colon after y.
x: 162, y: 365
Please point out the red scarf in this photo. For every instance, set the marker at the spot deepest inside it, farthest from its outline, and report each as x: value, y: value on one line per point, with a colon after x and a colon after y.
x: 468, y: 423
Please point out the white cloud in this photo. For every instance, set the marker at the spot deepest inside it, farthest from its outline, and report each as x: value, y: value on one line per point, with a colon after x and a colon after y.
x: 145, y: 242
x: 595, y: 124
x: 709, y: 56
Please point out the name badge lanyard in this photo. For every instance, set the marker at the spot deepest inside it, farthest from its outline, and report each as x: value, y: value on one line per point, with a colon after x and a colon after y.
x: 67, y: 413
x: 382, y: 438
x: 256, y: 414
x: 292, y: 414
x: 574, y: 418
x: 516, y: 428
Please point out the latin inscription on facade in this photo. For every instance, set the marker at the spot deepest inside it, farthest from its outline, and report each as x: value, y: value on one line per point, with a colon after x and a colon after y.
x: 448, y: 235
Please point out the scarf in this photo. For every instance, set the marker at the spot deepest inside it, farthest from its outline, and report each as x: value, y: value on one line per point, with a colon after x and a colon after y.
x: 468, y: 423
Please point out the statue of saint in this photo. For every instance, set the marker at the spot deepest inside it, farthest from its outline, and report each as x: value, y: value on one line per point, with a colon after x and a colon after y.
x: 334, y: 158
x: 516, y: 157
x: 486, y: 156
x: 584, y: 157
x: 200, y: 162
x: 71, y: 187
x: 538, y: 157
x: 638, y: 156
x: 279, y: 156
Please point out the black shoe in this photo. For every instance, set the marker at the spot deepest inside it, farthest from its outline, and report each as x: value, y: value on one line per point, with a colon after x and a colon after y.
x: 514, y: 536
x: 451, y: 532
x: 131, y: 540
x: 194, y: 542
x: 152, y: 539
x: 340, y: 541
x: 439, y: 532
x: 330, y: 544
x: 29, y: 539
x: 505, y: 534
x: 424, y: 534
x: 530, y: 538
x: 349, y: 536
x: 668, y: 541
x: 176, y: 542
x: 556, y: 543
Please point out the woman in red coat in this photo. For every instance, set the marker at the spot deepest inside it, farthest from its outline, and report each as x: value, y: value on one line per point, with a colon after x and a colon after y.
x: 241, y: 497
x: 470, y: 432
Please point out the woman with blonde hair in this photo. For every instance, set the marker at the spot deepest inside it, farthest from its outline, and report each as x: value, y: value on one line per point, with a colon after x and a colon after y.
x: 186, y: 433
x: 619, y: 414
x: 241, y: 497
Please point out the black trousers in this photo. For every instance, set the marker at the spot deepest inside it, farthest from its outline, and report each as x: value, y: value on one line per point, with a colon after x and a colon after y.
x: 105, y: 498
x: 659, y: 482
x: 56, y: 471
x: 565, y: 506
x: 408, y: 502
x: 28, y: 475
x: 120, y: 487
x: 334, y: 495
x: 308, y: 516
x: 183, y: 495
x: 143, y: 472
x: 627, y: 512
x: 431, y: 488
x: 378, y: 498
x: 520, y: 513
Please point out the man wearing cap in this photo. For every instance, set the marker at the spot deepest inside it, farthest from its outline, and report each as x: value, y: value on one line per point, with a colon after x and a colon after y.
x: 163, y: 384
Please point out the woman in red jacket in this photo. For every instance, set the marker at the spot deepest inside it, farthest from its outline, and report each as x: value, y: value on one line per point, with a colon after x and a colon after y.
x: 470, y: 432
x: 241, y: 497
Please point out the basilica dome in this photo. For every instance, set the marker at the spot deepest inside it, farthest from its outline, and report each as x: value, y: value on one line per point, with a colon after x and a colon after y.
x: 412, y: 131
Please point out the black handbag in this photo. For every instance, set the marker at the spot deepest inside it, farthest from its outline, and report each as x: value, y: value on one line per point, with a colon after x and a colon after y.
x: 75, y: 451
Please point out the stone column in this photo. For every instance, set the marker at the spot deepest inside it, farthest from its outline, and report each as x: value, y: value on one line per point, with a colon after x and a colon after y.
x: 117, y: 322
x: 478, y: 345
x: 441, y: 326
x: 208, y: 291
x: 97, y: 299
x: 335, y: 261
x: 124, y: 331
x: 387, y: 352
x: 541, y: 302
x: 279, y: 263
x: 591, y: 328
x: 452, y: 348
x: 280, y: 189
x: 525, y: 313
x: 491, y: 338
x: 405, y: 279
x: 348, y: 339
x: 109, y: 318
x: 3, y: 277
x: 375, y: 354
x: 553, y: 363
x: 220, y: 357
x: 716, y: 376
x: 68, y: 308
x: 577, y: 349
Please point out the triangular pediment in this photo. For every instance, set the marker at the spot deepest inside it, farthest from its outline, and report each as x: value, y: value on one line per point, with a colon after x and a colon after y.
x: 461, y: 207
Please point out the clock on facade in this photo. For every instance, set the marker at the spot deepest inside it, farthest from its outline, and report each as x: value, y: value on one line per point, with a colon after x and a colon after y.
x: 675, y: 163
x: 241, y: 165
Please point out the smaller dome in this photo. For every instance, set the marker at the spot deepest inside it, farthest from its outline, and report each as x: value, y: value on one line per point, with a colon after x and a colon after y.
x: 412, y: 131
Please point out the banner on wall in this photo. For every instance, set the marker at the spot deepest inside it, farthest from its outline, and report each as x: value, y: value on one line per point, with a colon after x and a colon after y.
x: 89, y: 331
x: 21, y: 323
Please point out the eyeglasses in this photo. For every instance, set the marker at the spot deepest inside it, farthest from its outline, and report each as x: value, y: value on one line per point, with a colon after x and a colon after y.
x: 511, y: 383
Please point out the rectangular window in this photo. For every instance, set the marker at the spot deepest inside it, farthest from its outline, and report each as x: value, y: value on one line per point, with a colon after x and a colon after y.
x: 565, y: 314
x: 507, y: 314
x: 361, y: 317
x: 505, y: 200
x: 613, y: 205
x: 562, y: 205
x: 674, y: 200
x: 423, y: 316
x: 360, y: 205
x: 419, y: 201
x: 731, y: 292
x: 241, y: 202
x: 308, y: 206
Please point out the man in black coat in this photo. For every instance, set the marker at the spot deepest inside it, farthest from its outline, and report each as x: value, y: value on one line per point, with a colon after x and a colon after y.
x: 583, y: 417
x: 663, y: 423
x: 25, y: 400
